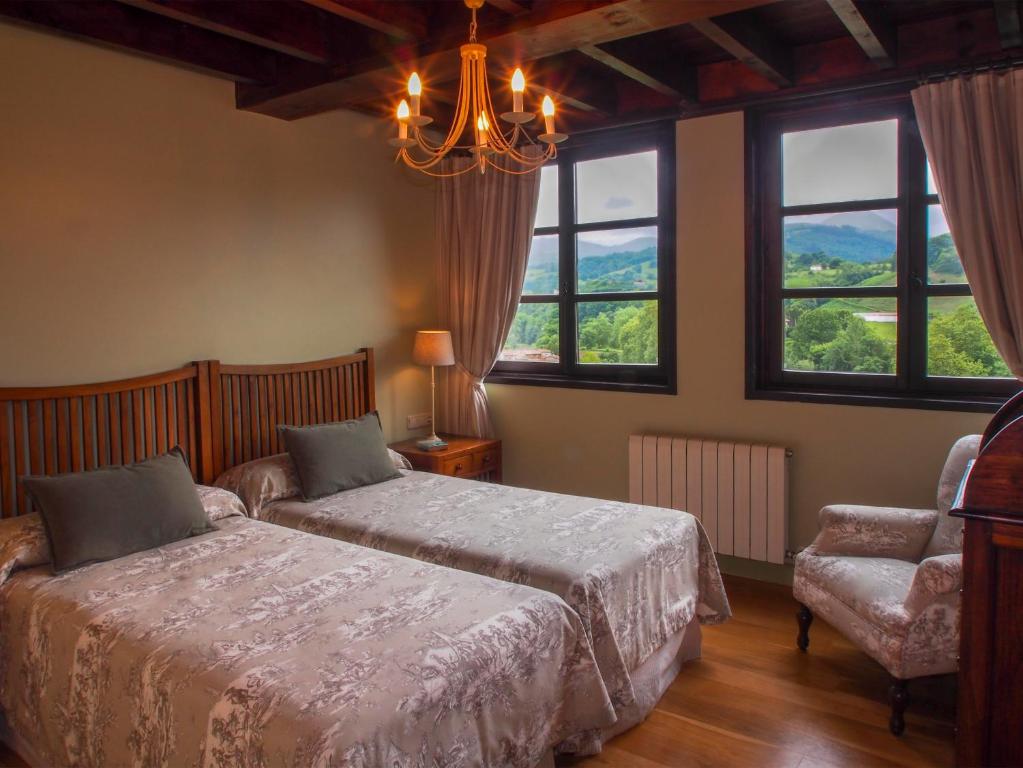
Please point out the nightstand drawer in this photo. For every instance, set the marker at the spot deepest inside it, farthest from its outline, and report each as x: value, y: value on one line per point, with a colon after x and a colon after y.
x: 463, y: 465
x: 484, y: 461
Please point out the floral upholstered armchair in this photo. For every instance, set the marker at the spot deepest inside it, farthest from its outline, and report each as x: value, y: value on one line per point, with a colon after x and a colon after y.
x: 889, y: 580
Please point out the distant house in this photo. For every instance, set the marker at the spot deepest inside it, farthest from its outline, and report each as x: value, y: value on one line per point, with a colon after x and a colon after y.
x: 816, y: 267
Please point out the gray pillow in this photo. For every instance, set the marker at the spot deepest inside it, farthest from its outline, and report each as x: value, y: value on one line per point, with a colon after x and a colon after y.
x: 114, y: 511
x: 339, y: 456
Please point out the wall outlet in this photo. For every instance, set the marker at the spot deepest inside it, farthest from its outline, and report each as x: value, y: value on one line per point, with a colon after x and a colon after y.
x: 418, y: 421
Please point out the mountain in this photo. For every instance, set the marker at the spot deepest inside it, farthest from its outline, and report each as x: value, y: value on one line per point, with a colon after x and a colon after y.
x: 844, y: 241
x: 545, y: 249
x: 864, y: 220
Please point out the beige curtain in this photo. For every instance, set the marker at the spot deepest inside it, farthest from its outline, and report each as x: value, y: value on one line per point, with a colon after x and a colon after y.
x: 972, y: 128
x: 484, y: 227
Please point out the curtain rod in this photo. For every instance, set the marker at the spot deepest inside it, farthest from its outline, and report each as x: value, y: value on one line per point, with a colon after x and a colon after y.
x: 966, y: 70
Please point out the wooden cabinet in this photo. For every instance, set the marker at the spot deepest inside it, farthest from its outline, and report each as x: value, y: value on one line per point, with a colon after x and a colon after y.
x: 470, y: 457
x: 990, y: 708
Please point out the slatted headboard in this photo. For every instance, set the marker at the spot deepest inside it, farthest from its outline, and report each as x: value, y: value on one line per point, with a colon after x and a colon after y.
x: 249, y: 401
x: 49, y: 430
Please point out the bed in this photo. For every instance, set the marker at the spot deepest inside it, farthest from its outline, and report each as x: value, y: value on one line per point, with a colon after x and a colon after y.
x: 641, y: 579
x: 255, y: 644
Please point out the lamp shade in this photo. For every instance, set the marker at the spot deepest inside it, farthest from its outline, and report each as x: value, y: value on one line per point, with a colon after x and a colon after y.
x: 433, y: 348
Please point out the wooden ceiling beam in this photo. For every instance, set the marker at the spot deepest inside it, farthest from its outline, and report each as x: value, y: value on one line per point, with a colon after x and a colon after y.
x: 400, y: 20
x: 622, y: 67
x: 511, y: 7
x: 749, y: 44
x: 1007, y: 17
x: 295, y: 34
x: 136, y: 31
x: 874, y: 34
x: 550, y: 29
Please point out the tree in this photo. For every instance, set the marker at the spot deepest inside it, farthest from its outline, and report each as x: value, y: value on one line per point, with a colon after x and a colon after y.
x: 958, y: 344
x: 858, y: 350
x: 813, y: 330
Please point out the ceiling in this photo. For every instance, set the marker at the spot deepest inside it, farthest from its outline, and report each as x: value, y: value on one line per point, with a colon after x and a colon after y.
x: 605, y: 61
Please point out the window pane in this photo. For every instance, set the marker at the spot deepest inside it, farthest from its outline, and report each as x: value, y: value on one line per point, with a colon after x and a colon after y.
x: 943, y: 265
x: 840, y: 249
x: 547, y: 208
x: 617, y: 260
x: 958, y: 343
x: 618, y: 332
x: 846, y: 162
x: 534, y: 335
x: 844, y: 335
x: 616, y: 188
x: 932, y: 188
x: 542, y: 267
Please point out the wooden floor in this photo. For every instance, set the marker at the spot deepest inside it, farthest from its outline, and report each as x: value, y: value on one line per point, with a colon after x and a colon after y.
x: 754, y: 700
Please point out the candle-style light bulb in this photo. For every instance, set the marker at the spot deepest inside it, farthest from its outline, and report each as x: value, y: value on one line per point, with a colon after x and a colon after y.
x: 548, y: 113
x: 518, y: 85
x: 415, y: 90
x: 483, y: 128
x: 403, y: 115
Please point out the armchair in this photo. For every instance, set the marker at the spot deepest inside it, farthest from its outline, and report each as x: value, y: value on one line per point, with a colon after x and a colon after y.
x: 889, y: 580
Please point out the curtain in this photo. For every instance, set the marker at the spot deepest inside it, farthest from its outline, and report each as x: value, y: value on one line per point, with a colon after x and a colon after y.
x: 484, y: 227
x: 972, y: 128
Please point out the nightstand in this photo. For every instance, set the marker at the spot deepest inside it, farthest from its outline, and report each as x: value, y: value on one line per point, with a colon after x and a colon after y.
x: 475, y: 458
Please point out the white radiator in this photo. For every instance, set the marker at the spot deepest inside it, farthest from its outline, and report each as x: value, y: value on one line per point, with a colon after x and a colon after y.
x: 738, y: 491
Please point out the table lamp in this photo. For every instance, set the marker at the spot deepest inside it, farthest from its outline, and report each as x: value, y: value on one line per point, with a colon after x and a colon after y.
x: 432, y: 348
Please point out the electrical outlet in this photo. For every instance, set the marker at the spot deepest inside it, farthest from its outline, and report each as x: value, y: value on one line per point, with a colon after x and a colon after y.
x: 418, y: 421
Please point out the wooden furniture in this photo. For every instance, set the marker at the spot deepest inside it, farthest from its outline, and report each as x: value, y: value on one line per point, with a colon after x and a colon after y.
x: 51, y: 430
x: 990, y: 716
x: 249, y: 401
x: 468, y: 457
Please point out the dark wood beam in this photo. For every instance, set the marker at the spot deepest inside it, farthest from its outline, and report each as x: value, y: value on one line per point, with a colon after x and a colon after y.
x: 1007, y: 17
x: 400, y: 20
x: 622, y: 67
x: 136, y: 31
x: 569, y: 82
x: 511, y: 7
x: 550, y: 29
x: 292, y: 32
x: 751, y: 45
x: 874, y: 34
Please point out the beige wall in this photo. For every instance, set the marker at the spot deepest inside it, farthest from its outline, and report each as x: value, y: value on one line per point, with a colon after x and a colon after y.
x: 144, y: 222
x: 575, y: 440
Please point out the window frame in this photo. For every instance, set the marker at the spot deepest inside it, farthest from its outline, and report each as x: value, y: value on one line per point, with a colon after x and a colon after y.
x: 659, y: 378
x: 909, y: 386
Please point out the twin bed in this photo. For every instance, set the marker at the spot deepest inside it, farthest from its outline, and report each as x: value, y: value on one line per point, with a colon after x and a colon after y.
x: 420, y: 621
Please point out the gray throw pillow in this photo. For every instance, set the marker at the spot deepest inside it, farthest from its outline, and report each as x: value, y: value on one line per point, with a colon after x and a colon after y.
x: 114, y: 511
x: 338, y: 457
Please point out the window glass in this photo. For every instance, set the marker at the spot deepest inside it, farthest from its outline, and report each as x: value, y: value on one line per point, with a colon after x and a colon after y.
x: 847, y: 335
x: 618, y: 332
x: 534, y: 335
x: 616, y: 188
x: 616, y: 260
x: 841, y: 163
x: 958, y: 343
x: 835, y: 250
x: 943, y: 265
x: 547, y: 207
x: 542, y: 267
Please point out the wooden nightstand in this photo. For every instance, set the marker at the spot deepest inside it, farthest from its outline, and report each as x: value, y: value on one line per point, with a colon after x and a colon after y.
x: 469, y: 457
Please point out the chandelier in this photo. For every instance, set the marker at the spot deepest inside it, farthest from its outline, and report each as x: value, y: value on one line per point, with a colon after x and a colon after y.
x: 520, y: 153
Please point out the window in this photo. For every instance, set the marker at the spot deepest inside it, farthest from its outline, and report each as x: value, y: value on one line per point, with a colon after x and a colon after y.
x: 856, y: 291
x: 598, y: 302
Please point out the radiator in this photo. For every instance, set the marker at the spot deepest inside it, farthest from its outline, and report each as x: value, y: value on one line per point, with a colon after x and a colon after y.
x: 737, y: 490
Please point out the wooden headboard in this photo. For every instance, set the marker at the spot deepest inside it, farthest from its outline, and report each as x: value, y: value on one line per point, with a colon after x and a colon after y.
x: 249, y: 401
x: 49, y: 430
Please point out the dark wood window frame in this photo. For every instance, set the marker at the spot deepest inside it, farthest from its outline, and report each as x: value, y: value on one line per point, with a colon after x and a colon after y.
x: 659, y: 378
x: 910, y: 386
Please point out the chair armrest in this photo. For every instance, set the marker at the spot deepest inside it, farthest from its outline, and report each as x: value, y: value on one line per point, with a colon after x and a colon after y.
x: 859, y: 531
x: 935, y: 577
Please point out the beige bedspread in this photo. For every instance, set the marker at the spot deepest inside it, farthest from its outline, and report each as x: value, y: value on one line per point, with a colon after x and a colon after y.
x: 256, y: 645
x: 635, y: 575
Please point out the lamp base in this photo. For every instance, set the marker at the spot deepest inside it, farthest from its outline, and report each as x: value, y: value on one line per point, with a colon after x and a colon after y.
x: 432, y: 443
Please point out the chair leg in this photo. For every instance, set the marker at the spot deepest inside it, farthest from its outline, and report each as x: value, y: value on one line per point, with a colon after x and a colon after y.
x: 805, y: 619
x: 898, y: 697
